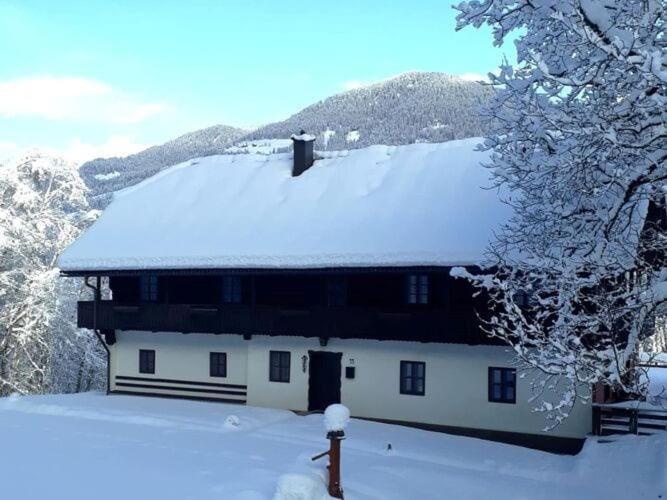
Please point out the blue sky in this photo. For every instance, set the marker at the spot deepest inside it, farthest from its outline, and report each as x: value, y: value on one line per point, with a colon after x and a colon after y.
x: 88, y: 77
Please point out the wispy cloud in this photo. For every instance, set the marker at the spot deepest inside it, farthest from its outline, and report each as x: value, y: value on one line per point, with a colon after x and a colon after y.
x: 7, y: 150
x: 71, y: 98
x: 76, y: 150
x: 116, y: 145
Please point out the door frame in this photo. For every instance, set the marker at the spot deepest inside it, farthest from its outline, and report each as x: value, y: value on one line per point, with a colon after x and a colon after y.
x: 311, y: 355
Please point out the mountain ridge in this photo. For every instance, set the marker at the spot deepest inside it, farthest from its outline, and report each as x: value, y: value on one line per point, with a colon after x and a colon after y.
x: 410, y: 107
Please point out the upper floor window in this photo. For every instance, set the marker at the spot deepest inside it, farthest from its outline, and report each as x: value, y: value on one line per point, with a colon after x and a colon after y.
x: 417, y: 289
x: 279, y: 366
x: 218, y: 364
x: 336, y: 291
x: 502, y: 385
x: 146, y: 361
x: 231, y: 289
x: 148, y: 288
x: 413, y: 378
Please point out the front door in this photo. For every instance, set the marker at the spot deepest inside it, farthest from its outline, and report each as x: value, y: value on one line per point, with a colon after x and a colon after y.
x: 324, y: 379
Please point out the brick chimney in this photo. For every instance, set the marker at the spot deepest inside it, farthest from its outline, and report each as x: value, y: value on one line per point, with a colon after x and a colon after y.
x: 303, y: 152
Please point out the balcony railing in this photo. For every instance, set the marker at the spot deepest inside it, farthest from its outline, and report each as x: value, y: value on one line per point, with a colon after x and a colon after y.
x: 326, y: 322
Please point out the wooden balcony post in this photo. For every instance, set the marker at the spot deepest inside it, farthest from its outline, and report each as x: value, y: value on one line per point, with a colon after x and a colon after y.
x: 597, y: 420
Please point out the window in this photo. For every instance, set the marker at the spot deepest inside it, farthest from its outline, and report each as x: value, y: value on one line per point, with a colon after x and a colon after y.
x: 218, y: 365
x: 502, y: 385
x: 417, y: 289
x: 413, y: 375
x: 148, y: 288
x: 279, y: 364
x: 336, y: 291
x: 231, y: 289
x: 146, y: 361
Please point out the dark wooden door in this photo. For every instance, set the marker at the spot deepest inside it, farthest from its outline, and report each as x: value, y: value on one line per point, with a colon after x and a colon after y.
x: 324, y: 379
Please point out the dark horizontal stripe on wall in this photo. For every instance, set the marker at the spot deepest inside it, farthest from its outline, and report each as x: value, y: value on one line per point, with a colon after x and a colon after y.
x: 183, y: 389
x: 552, y: 444
x: 186, y: 382
x: 176, y: 396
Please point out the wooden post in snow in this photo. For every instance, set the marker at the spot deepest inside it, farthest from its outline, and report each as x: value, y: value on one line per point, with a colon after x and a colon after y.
x: 336, y: 418
x: 335, y: 437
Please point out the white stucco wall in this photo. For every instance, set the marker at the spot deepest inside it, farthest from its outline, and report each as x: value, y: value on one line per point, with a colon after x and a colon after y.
x: 456, y: 378
x: 456, y: 384
x: 178, y: 357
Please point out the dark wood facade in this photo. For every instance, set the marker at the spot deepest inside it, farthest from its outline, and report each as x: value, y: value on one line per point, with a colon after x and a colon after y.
x: 378, y: 304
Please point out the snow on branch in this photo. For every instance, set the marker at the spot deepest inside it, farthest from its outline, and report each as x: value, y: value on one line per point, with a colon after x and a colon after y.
x: 578, y: 135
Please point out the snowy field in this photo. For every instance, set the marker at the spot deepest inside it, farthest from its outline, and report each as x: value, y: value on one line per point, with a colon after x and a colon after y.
x: 108, y: 447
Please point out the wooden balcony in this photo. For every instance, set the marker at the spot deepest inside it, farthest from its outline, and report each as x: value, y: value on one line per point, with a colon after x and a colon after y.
x: 326, y: 322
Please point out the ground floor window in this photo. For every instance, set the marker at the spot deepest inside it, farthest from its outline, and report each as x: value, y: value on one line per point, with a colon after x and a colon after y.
x: 146, y: 361
x: 413, y: 377
x: 218, y: 364
x: 279, y: 365
x: 502, y: 385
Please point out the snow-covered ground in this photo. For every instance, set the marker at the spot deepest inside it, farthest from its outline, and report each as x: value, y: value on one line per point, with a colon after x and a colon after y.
x: 108, y: 447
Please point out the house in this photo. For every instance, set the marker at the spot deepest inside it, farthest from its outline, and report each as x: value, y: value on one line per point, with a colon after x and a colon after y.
x: 296, y: 281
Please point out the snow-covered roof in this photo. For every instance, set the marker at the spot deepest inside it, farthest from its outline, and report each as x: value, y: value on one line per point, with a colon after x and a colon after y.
x: 414, y: 205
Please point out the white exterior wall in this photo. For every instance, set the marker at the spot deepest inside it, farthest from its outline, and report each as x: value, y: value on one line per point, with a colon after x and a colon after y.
x: 179, y: 357
x: 456, y: 385
x: 456, y: 378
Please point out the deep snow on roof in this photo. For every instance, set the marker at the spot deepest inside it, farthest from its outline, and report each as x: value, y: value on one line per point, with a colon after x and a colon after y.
x: 421, y: 204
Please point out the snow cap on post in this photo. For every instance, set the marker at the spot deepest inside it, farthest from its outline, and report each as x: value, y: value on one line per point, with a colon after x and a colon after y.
x: 336, y: 418
x: 303, y: 152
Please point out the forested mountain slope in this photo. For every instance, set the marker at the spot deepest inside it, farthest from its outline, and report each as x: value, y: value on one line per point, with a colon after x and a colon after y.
x: 105, y: 175
x: 412, y: 107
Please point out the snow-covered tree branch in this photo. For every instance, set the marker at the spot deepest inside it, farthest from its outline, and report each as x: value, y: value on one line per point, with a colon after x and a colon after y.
x: 579, y: 147
x: 42, y: 208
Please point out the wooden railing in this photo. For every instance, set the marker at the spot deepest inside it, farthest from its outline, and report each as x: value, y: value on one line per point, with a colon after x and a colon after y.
x: 619, y: 419
x: 327, y: 322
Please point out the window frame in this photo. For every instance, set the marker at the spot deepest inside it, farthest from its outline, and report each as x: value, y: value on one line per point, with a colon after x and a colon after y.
x: 413, y: 391
x: 417, y: 289
x: 281, y: 367
x: 231, y: 289
x: 336, y: 291
x: 147, y: 364
x: 214, y: 362
x: 148, y: 288
x: 503, y: 384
